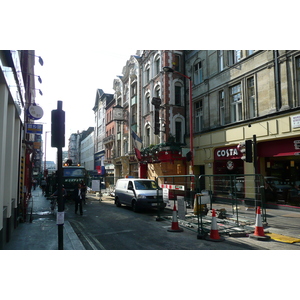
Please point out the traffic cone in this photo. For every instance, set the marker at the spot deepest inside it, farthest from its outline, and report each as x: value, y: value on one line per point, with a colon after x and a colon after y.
x: 259, y: 230
x: 214, y: 233
x: 175, y: 227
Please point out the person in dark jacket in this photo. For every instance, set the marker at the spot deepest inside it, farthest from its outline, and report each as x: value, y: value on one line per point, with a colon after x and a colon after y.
x: 78, y: 197
x: 83, y: 188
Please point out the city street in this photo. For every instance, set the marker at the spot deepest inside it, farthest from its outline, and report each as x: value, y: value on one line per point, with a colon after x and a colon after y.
x: 104, y: 226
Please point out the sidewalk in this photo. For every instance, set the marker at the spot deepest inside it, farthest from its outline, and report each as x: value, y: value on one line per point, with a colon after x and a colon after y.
x: 42, y: 232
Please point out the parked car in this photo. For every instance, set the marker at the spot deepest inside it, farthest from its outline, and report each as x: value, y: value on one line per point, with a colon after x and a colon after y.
x: 138, y: 194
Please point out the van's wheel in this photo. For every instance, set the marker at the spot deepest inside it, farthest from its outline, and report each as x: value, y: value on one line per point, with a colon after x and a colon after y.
x: 117, y: 202
x: 133, y: 204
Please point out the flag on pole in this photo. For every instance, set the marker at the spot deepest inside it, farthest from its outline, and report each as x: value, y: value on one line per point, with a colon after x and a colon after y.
x: 137, y: 144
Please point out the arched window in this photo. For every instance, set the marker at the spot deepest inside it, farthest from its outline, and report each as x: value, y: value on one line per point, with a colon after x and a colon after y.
x: 157, y: 64
x: 157, y: 90
x: 147, y: 73
x: 147, y: 103
x: 178, y: 128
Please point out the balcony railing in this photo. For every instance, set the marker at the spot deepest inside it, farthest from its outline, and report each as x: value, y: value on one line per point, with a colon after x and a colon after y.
x: 108, y: 139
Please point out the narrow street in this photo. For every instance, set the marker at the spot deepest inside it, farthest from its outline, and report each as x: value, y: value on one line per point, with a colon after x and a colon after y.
x: 104, y: 226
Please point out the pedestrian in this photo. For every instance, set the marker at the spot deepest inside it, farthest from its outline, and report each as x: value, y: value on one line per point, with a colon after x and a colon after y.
x: 43, y: 186
x: 83, y: 189
x: 64, y: 196
x: 78, y: 199
x: 34, y: 184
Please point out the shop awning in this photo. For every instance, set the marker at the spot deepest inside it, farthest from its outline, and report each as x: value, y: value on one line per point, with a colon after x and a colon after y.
x: 287, y: 147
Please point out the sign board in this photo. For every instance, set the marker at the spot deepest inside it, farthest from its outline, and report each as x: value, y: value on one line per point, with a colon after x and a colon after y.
x: 295, y: 121
x: 35, y: 112
x: 34, y: 128
x: 173, y: 187
x: 95, y: 185
x: 181, y: 207
x: 165, y: 194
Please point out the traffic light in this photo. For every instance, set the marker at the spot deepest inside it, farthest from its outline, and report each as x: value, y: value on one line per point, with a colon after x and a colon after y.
x: 57, y: 128
x: 246, y: 149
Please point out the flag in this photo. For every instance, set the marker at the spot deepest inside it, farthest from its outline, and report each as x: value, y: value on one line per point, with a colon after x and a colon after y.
x: 137, y: 144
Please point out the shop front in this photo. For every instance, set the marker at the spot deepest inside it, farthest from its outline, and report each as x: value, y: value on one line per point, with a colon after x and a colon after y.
x: 281, y: 163
x: 227, y: 161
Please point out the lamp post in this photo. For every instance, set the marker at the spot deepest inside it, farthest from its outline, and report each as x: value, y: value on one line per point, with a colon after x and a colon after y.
x: 45, y: 149
x: 170, y: 70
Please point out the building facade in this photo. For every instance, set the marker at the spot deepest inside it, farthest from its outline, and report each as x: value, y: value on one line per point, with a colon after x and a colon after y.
x: 163, y: 126
x: 127, y: 98
x: 20, y: 149
x: 243, y: 95
x: 87, y: 151
x: 100, y: 131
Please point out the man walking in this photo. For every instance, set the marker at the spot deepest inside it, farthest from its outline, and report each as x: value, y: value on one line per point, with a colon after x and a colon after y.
x: 78, y: 195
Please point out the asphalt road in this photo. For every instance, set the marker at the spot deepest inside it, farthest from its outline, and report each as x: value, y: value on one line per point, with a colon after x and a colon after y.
x: 104, y: 226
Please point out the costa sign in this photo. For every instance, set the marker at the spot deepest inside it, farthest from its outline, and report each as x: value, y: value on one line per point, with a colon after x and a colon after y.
x: 227, y: 153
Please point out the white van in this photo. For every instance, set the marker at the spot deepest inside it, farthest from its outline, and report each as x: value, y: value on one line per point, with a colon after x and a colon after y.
x: 138, y: 193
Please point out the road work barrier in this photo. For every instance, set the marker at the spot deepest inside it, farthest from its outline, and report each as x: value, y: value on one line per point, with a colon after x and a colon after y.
x: 234, y: 199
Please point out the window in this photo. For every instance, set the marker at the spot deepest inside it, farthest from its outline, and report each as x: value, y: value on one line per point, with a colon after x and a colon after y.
x: 198, y: 76
x: 251, y: 98
x: 222, y: 108
x: 199, y: 115
x: 147, y: 104
x: 157, y: 91
x: 178, y: 128
x: 221, y: 60
x: 147, y: 74
x: 133, y: 114
x: 157, y: 65
x: 236, y: 103
x: 147, y: 137
x: 177, y: 62
x: 234, y: 56
x: 178, y: 94
x: 133, y: 89
x: 249, y: 52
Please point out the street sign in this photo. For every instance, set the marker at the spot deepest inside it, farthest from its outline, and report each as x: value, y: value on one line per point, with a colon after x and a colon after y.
x: 172, y: 187
x: 34, y: 128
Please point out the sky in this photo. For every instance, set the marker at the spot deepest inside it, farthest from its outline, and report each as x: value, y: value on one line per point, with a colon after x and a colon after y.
x: 84, y: 48
x: 73, y: 77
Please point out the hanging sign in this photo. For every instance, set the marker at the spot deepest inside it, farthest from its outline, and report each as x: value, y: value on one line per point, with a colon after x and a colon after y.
x: 34, y: 128
x: 35, y: 112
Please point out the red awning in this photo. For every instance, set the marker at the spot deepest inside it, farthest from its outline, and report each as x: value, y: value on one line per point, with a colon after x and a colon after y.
x: 286, y: 147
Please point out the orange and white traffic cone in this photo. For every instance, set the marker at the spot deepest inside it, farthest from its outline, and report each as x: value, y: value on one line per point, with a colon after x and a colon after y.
x: 259, y: 230
x: 214, y: 233
x: 175, y: 227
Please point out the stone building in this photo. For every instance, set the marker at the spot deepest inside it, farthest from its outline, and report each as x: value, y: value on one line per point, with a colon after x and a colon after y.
x: 243, y: 95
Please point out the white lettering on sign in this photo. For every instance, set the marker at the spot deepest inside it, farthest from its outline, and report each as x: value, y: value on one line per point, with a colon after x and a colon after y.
x: 297, y: 144
x: 227, y: 152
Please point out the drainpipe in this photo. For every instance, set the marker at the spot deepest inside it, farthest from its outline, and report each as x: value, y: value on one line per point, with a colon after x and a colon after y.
x: 277, y: 80
x: 185, y: 102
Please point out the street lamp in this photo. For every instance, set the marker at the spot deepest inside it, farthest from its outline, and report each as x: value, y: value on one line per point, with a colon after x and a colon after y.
x: 45, y: 166
x: 170, y: 70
